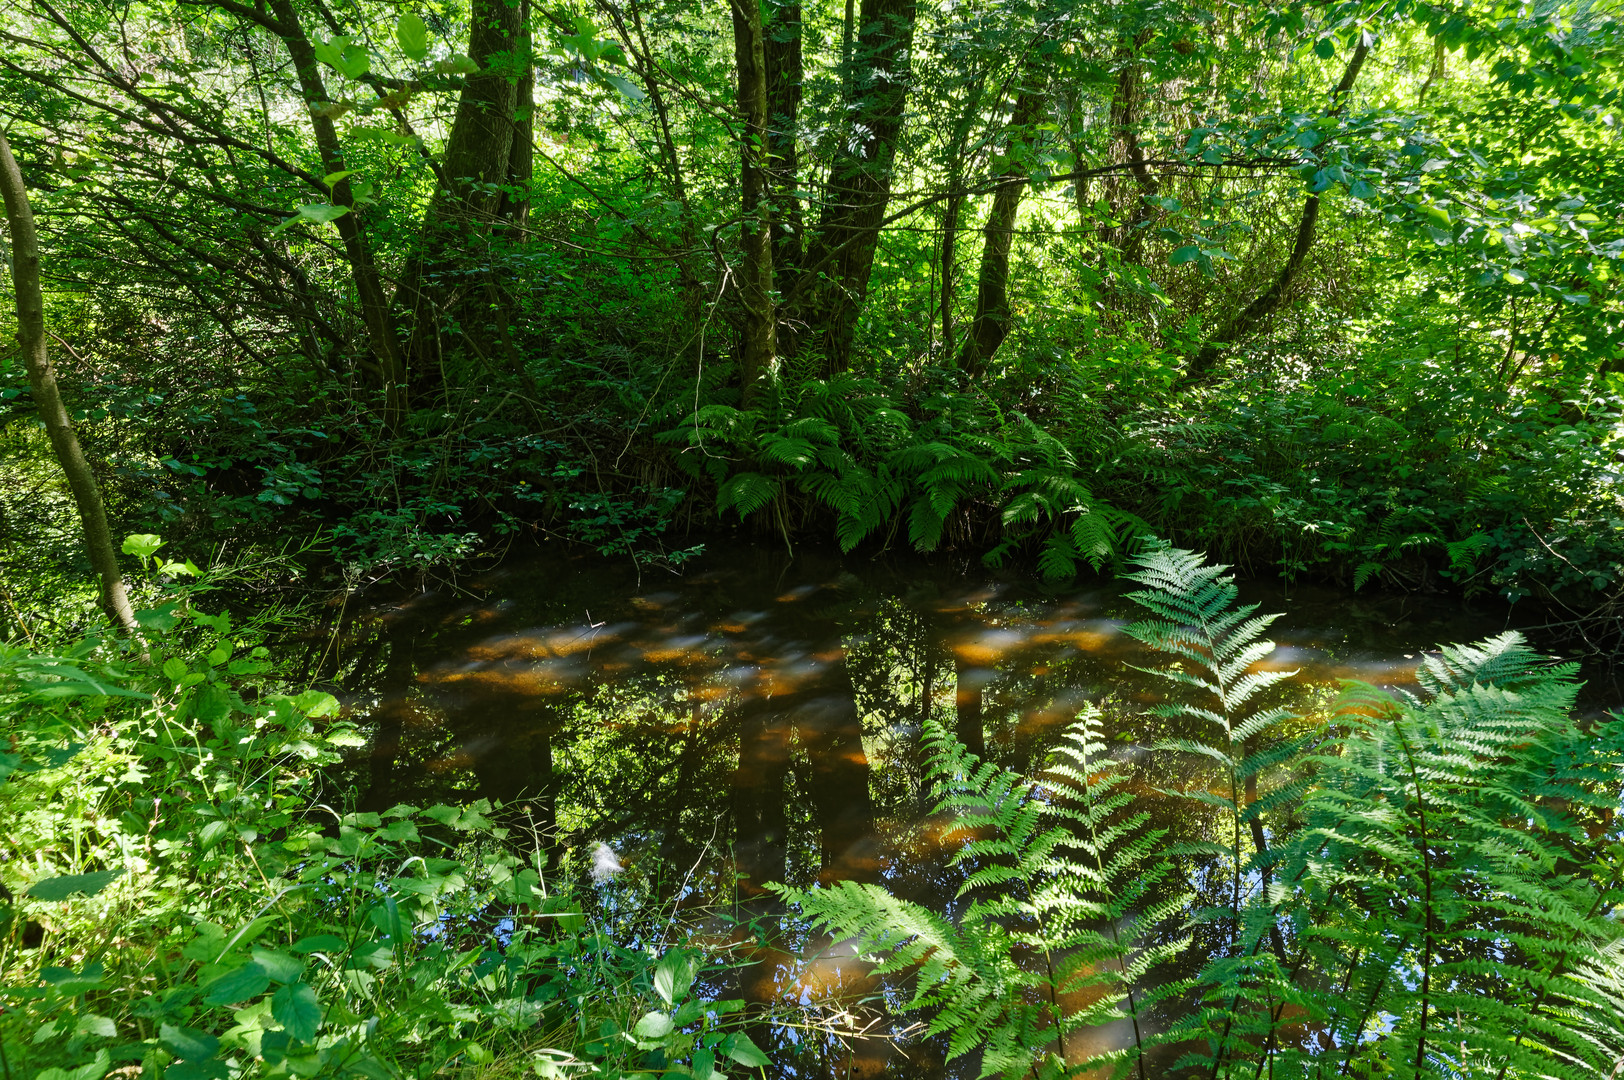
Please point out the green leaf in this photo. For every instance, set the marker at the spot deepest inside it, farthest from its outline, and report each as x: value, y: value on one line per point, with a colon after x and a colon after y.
x: 99, y: 1026
x: 296, y: 1008
x: 245, y: 982
x: 627, y: 88
x: 412, y: 34
x: 316, y: 704
x: 673, y: 977
x: 279, y: 966
x: 1187, y: 253
x: 324, y: 943
x: 61, y: 888
x: 187, y: 1043
x: 321, y: 213
x: 653, y: 1025
x: 1324, y: 48
x: 142, y: 544
x: 745, y: 1052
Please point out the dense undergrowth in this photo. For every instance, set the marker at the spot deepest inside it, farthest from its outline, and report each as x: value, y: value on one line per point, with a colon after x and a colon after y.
x: 185, y: 893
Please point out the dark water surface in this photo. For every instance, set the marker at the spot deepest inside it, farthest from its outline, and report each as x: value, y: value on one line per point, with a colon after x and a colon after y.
x: 757, y: 719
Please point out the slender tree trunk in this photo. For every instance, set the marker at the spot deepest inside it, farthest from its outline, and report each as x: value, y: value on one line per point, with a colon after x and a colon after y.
x: 953, y: 210
x: 1125, y: 194
x: 388, y: 368
x: 785, y: 75
x: 25, y: 260
x: 860, y: 176
x: 758, y: 350
x: 1205, y: 365
x: 514, y: 208
x: 992, y: 319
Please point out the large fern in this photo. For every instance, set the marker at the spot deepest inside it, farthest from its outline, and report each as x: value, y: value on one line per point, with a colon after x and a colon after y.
x: 1440, y: 899
x: 1445, y: 905
x: 1062, y: 881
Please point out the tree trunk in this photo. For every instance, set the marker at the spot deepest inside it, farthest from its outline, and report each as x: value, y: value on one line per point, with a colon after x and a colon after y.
x: 992, y: 319
x: 388, y: 368
x: 1205, y: 365
x: 758, y: 352
x: 53, y: 414
x: 513, y: 209
x: 785, y: 74
x: 476, y: 159
x: 1125, y: 194
x: 860, y: 175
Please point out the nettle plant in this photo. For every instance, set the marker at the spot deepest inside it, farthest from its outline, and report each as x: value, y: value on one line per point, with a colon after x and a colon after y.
x: 1436, y: 895
x: 180, y: 898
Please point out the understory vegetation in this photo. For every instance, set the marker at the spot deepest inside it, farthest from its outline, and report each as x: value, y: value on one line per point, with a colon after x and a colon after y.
x: 196, y: 899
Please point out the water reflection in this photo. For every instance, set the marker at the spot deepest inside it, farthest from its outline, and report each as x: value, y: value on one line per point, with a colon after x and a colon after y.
x: 758, y: 720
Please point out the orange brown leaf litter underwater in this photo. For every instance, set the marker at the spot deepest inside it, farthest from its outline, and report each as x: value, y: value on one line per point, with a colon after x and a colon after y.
x: 759, y: 720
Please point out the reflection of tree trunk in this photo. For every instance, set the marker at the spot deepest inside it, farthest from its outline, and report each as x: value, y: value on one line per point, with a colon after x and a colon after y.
x: 393, y: 706
x: 829, y: 728
x: 758, y: 797
x: 676, y: 850
x: 1205, y: 364
x: 968, y: 702
x: 53, y: 414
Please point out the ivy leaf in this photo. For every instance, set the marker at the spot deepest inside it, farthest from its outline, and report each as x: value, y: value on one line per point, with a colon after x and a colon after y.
x: 412, y: 34
x: 296, y: 1008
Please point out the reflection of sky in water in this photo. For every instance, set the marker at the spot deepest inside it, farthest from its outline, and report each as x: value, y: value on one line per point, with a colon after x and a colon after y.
x: 764, y: 719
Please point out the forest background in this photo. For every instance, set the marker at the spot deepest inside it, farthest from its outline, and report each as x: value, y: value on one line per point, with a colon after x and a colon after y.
x: 1317, y: 288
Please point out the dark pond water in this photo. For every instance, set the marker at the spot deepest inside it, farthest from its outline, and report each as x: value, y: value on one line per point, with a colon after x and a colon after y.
x: 757, y: 719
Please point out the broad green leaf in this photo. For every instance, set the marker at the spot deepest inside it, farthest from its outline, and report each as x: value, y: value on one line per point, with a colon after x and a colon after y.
x: 297, y: 1009
x: 745, y: 1052
x: 62, y: 888
x: 625, y: 86
x: 243, y: 983
x: 1187, y: 253
x: 162, y: 618
x: 98, y: 1026
x: 653, y: 1025
x: 188, y: 1043
x: 672, y: 977
x: 316, y: 704
x: 279, y: 966
x: 142, y: 544
x: 412, y: 34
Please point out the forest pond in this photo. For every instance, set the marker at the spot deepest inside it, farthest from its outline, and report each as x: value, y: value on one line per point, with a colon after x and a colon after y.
x: 757, y: 718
